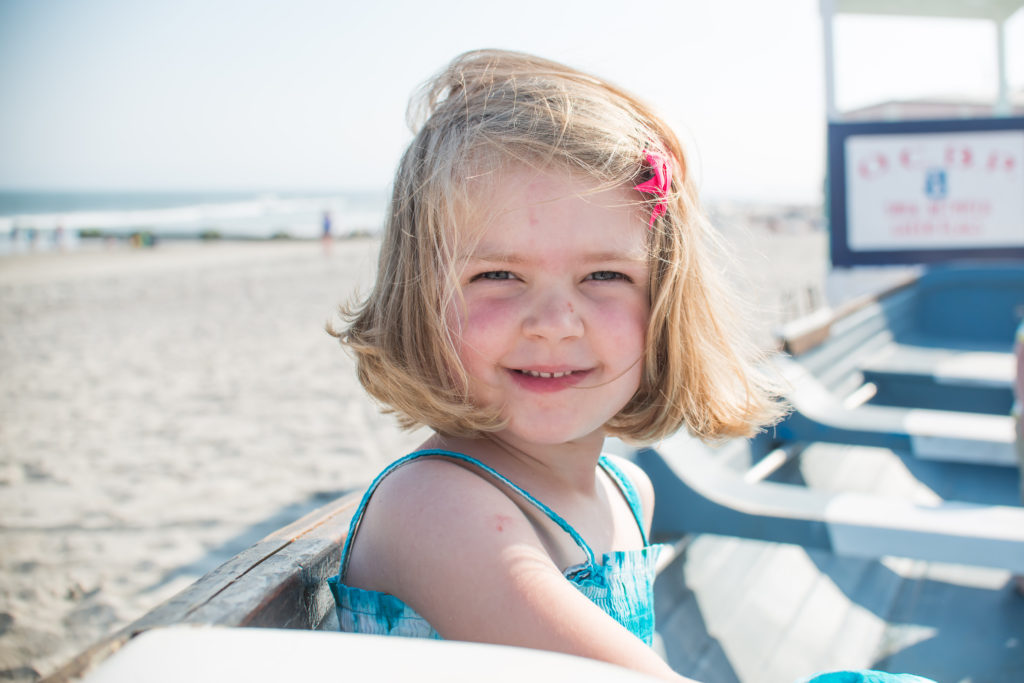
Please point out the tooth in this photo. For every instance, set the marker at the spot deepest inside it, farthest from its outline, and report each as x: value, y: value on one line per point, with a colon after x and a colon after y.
x: 546, y: 375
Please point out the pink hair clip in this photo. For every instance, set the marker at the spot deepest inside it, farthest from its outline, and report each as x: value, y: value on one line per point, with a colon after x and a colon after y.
x: 658, y: 184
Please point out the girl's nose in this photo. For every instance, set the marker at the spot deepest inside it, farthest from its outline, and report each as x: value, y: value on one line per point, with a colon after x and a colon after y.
x: 553, y: 316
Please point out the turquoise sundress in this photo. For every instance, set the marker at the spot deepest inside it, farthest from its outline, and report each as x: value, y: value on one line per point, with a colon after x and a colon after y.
x: 621, y: 584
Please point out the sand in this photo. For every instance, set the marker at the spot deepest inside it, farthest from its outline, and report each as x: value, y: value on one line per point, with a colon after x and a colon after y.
x: 162, y: 409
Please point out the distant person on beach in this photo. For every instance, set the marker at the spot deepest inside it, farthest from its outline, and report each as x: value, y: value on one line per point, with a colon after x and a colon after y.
x: 545, y: 280
x: 325, y: 236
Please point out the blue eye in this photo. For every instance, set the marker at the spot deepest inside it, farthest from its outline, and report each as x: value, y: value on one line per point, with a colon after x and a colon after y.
x: 494, y: 275
x: 603, y: 275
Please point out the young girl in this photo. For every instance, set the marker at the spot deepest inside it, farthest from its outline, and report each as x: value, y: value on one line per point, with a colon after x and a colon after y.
x: 544, y: 281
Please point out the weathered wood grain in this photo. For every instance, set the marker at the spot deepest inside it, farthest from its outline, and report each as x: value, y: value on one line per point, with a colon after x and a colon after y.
x: 278, y: 582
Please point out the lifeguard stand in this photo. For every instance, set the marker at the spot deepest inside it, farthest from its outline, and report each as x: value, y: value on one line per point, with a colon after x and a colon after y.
x: 925, y: 181
x: 893, y: 474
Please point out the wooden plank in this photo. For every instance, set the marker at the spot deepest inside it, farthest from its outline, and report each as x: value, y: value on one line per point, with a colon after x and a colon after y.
x: 276, y: 582
x: 941, y: 378
x: 714, y: 614
x: 697, y: 496
x: 809, y: 332
x: 956, y: 366
x: 931, y: 434
x: 215, y: 655
x: 953, y: 623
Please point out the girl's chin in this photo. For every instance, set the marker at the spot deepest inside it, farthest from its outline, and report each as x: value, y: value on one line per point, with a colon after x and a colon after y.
x: 555, y: 435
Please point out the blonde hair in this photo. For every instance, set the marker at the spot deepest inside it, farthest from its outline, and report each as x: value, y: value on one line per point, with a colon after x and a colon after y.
x: 489, y: 109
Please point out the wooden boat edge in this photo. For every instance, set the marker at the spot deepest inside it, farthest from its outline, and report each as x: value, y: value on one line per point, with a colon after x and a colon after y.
x: 260, y: 586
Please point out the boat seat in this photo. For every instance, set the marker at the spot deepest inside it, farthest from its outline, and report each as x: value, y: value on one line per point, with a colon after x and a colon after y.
x: 957, y: 379
x: 954, y: 436
x: 697, y: 494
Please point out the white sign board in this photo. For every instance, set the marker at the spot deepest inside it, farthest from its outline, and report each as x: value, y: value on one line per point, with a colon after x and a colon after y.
x: 926, y: 191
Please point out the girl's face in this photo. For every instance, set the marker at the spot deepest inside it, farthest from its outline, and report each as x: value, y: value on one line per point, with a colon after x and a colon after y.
x: 556, y: 304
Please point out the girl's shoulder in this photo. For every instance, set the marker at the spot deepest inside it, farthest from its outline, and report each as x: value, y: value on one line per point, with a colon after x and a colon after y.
x: 432, y: 527
x: 436, y: 495
x: 640, y: 483
x: 435, y: 487
x: 432, y: 473
x: 425, y: 477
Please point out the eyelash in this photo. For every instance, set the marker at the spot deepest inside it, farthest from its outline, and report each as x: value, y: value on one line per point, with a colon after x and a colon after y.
x: 490, y: 275
x: 596, y: 276
x: 614, y: 276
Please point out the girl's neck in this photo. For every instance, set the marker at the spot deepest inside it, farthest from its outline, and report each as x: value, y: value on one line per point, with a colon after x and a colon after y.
x: 567, y: 466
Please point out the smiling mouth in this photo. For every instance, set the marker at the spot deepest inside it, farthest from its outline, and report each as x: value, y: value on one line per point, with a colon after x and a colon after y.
x: 548, y: 375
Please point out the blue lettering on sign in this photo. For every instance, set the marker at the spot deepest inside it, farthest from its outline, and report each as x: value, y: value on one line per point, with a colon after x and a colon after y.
x: 935, y: 183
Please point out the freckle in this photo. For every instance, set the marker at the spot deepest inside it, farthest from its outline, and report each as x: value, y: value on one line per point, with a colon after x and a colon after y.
x: 500, y: 521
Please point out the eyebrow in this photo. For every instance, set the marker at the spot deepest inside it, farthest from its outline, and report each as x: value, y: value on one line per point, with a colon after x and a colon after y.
x: 590, y: 257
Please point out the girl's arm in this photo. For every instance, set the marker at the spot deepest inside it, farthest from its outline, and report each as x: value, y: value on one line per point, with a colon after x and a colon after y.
x: 467, y: 559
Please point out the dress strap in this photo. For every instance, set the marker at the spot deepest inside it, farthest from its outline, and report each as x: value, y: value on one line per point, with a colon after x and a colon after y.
x: 628, y: 490
x: 358, y: 516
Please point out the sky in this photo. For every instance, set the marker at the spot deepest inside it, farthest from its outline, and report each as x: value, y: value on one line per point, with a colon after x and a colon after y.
x: 311, y: 94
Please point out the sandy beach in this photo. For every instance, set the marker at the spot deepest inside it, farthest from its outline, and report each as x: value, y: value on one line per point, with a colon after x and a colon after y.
x: 164, y: 408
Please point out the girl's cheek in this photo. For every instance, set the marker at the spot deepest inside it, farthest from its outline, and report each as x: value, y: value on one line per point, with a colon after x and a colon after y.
x: 627, y: 324
x: 627, y: 310
x: 487, y: 316
x: 471, y: 312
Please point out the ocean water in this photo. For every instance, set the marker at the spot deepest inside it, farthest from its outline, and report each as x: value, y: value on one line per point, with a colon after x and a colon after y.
x: 43, y: 220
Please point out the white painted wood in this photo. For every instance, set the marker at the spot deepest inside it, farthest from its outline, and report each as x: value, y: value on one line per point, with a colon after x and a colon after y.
x: 870, y: 526
x: 947, y: 366
x: 860, y: 524
x: 216, y: 655
x: 1003, y: 106
x: 934, y: 434
x: 827, y: 15
x: 961, y: 437
x: 976, y: 369
x: 997, y: 10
